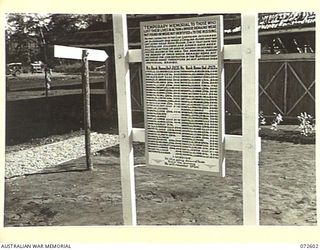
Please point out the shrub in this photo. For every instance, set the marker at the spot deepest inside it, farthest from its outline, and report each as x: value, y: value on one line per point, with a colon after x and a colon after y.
x: 276, y: 121
x: 307, y: 123
x: 262, y: 119
x: 69, y: 68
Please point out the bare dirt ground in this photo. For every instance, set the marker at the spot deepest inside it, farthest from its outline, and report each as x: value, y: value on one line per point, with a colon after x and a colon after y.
x: 77, y: 198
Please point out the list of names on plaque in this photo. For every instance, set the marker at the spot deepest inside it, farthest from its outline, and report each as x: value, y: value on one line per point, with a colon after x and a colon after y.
x: 181, y: 78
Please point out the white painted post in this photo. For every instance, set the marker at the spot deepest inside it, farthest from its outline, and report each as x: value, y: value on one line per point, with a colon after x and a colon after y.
x: 250, y: 101
x: 124, y: 118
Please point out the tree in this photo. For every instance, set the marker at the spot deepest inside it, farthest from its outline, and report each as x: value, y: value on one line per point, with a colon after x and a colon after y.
x: 60, y: 23
x: 26, y: 33
x: 23, y: 38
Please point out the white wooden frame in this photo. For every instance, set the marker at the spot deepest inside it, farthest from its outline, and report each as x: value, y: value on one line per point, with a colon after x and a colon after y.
x: 250, y: 110
x: 249, y: 142
x: 124, y: 119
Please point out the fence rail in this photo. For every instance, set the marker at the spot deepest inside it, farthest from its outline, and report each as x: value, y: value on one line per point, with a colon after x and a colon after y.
x: 286, y: 85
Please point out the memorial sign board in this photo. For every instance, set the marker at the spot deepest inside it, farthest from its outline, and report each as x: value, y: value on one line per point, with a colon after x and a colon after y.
x: 183, y: 86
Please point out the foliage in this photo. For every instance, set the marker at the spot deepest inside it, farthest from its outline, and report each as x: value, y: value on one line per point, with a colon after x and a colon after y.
x: 306, y: 126
x: 29, y: 23
x: 23, y: 38
x: 262, y: 119
x: 276, y: 121
x: 69, y: 68
x: 18, y: 24
x: 306, y: 123
x: 71, y: 22
x: 26, y: 33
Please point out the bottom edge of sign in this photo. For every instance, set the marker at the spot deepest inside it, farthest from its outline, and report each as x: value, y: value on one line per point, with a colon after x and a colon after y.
x: 190, y: 170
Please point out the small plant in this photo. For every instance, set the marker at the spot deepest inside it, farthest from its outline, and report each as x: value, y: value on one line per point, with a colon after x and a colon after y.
x: 306, y: 123
x: 262, y: 119
x: 276, y: 121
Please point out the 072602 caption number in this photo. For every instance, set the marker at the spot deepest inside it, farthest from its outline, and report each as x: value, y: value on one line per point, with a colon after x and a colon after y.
x: 315, y: 246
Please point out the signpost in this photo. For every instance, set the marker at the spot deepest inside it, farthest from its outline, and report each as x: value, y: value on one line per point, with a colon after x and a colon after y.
x: 76, y: 53
x: 85, y: 55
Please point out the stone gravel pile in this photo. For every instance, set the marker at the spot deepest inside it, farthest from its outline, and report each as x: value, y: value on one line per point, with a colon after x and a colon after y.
x: 33, y: 160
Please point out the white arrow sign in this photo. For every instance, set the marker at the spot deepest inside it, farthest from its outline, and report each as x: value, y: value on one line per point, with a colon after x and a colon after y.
x: 76, y: 53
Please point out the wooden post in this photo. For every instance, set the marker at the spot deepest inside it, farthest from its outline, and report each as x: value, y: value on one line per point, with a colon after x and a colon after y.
x: 285, y: 107
x: 250, y: 104
x: 107, y: 89
x: 141, y: 86
x: 124, y: 118
x: 46, y: 83
x: 86, y: 109
x: 112, y: 89
x: 45, y: 57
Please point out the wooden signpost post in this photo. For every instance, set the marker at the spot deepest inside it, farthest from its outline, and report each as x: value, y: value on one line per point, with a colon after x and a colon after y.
x: 85, y: 55
x: 249, y: 142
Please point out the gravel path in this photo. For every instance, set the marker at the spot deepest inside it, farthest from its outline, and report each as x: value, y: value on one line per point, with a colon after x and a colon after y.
x: 35, y: 159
